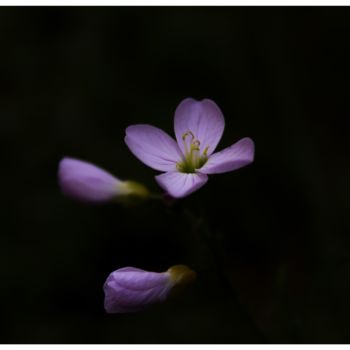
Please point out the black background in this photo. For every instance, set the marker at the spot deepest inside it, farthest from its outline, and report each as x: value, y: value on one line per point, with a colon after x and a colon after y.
x: 72, y: 80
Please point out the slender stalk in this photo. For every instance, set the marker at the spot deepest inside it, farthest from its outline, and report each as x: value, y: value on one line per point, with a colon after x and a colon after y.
x: 201, y: 229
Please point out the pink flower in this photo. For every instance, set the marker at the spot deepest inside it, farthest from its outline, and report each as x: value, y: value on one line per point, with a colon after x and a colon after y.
x: 186, y: 162
x: 130, y: 289
x: 86, y: 182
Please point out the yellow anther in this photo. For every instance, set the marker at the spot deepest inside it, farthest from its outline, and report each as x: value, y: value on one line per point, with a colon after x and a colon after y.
x: 186, y: 134
x: 196, y: 143
x: 205, y: 150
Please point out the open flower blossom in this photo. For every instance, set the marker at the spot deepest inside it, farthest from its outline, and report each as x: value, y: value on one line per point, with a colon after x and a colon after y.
x: 86, y: 182
x: 186, y: 162
x: 130, y: 289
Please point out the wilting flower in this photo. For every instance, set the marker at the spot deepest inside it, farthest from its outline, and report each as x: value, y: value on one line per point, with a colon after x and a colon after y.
x: 199, y: 126
x: 130, y: 289
x: 86, y: 182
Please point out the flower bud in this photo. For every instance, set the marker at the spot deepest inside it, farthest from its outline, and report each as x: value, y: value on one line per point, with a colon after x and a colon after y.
x: 86, y: 182
x: 130, y: 289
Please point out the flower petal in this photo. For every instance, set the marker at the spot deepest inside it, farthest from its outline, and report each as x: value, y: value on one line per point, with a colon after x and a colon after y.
x: 153, y: 147
x: 181, y: 184
x: 203, y: 118
x: 86, y: 182
x: 130, y: 289
x: 231, y: 158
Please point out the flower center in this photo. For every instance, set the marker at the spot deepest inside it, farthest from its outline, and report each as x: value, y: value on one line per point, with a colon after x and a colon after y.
x: 193, y: 158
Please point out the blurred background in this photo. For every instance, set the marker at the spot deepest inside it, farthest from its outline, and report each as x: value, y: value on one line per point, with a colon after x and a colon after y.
x: 270, y: 242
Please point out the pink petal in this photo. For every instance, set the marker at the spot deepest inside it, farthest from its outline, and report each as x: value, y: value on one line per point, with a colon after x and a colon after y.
x: 130, y: 289
x: 153, y: 147
x: 180, y: 184
x: 86, y: 182
x: 231, y: 158
x: 203, y: 118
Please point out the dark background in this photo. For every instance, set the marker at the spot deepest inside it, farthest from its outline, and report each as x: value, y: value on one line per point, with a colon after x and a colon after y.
x: 270, y: 242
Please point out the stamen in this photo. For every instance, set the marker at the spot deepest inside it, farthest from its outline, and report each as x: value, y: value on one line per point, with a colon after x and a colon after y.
x: 193, y: 158
x: 186, y: 134
x: 205, y: 152
x: 194, y: 147
x: 196, y: 143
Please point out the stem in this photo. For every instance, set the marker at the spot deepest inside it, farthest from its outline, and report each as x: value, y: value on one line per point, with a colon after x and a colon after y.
x: 156, y: 196
x: 200, y: 226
